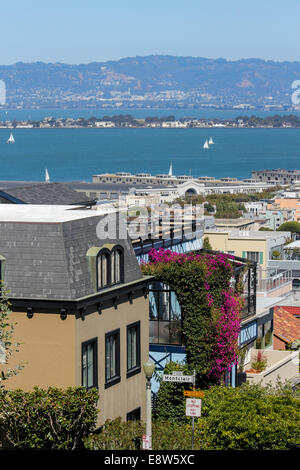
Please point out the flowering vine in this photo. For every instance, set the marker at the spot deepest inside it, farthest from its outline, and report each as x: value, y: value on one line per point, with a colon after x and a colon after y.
x: 209, y: 305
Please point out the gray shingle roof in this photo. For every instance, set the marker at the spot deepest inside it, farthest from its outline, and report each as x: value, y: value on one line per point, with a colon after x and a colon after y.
x: 43, y: 193
x: 49, y: 260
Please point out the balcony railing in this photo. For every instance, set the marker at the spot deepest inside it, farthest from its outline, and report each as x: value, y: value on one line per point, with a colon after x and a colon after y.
x: 273, y: 279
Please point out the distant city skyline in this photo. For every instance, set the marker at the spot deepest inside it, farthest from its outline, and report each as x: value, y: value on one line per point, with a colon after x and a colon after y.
x: 76, y: 32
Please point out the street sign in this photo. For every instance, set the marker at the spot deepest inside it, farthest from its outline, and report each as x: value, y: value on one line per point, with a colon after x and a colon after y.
x: 146, y: 442
x: 178, y: 378
x: 193, y: 393
x: 193, y: 407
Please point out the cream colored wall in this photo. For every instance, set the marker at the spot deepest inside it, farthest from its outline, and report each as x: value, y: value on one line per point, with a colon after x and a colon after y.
x: 128, y: 394
x: 47, y: 351
x: 221, y: 242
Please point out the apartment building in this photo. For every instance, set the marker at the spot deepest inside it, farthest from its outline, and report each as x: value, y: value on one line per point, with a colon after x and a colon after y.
x: 80, y: 303
x: 255, y: 245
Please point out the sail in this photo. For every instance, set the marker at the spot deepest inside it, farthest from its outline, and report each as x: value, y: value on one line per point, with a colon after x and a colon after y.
x: 170, y: 171
x: 11, y: 139
x: 211, y: 142
x: 47, y: 177
x: 205, y: 146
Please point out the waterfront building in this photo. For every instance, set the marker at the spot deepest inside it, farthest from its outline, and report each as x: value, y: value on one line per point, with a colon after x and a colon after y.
x: 277, y: 177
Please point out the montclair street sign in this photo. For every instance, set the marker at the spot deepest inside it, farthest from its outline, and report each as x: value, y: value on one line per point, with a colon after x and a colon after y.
x: 178, y: 376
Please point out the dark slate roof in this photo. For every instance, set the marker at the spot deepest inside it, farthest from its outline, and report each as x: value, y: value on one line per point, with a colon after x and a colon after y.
x: 49, y: 260
x: 42, y: 193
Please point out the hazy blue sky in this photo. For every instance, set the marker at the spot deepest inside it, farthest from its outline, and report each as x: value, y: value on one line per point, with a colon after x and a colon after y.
x: 74, y: 31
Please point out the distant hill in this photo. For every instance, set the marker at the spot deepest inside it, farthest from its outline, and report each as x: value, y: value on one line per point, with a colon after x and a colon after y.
x: 155, y: 81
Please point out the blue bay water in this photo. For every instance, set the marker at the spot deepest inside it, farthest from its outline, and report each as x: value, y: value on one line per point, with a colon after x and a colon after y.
x: 77, y: 154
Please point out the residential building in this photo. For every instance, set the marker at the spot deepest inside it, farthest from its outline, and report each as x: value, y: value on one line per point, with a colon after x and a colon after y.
x: 289, y: 201
x: 80, y: 303
x: 286, y: 326
x: 257, y: 246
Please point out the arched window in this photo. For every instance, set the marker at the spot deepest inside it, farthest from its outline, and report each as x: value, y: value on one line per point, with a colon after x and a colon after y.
x: 103, y: 269
x: 117, y: 265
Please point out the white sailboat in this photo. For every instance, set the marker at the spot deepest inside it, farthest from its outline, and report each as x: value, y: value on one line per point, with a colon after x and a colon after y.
x: 170, y: 170
x: 211, y: 142
x: 47, y: 177
x: 206, y: 146
x: 11, y: 139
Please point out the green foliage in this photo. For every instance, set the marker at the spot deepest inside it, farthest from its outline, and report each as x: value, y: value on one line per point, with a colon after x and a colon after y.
x: 275, y: 254
x: 260, y: 361
x: 48, y: 419
x: 206, y: 244
x: 227, y: 205
x: 292, y: 226
x: 118, y: 435
x: 170, y: 404
x: 7, y: 346
x: 252, y: 417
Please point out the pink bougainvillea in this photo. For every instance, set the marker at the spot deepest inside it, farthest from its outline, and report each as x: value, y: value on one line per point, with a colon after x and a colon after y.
x: 208, y: 290
x: 227, y: 333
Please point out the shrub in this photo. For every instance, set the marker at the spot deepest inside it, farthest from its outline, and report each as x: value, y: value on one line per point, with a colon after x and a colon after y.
x: 260, y: 361
x: 118, y: 435
x: 48, y: 419
x: 252, y: 417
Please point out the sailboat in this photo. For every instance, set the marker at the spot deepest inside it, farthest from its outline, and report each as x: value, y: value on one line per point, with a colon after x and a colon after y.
x: 206, y: 146
x: 211, y: 142
x: 170, y: 171
x: 47, y: 177
x: 11, y: 139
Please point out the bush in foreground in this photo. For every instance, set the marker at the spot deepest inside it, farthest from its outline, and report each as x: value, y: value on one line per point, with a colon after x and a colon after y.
x: 48, y: 419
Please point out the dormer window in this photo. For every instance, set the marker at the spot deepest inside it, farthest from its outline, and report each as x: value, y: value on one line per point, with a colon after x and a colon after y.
x: 103, y: 269
x: 117, y: 265
x: 106, y: 265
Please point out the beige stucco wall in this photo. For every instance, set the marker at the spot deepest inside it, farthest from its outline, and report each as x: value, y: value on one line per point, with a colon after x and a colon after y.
x: 129, y: 393
x: 47, y: 351
x: 51, y: 351
x: 220, y: 241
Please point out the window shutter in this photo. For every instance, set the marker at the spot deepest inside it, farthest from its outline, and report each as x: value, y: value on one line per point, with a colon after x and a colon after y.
x: 244, y: 254
x: 261, y: 257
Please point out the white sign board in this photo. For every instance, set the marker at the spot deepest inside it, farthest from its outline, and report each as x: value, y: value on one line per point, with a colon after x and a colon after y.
x: 178, y: 378
x: 146, y: 442
x: 193, y: 407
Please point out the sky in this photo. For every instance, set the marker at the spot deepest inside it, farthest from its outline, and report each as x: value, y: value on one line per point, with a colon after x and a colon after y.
x: 73, y: 31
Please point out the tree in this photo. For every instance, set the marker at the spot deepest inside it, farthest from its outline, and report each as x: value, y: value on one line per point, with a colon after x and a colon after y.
x: 206, y: 244
x: 7, y: 347
x: 291, y: 226
x: 275, y: 254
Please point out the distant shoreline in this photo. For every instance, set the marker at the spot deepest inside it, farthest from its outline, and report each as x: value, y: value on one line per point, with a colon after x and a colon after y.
x: 127, y: 121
